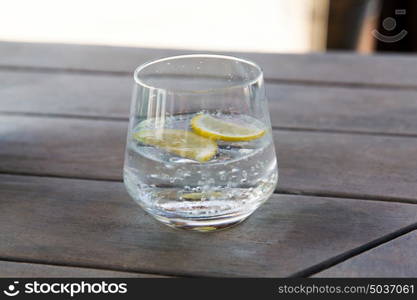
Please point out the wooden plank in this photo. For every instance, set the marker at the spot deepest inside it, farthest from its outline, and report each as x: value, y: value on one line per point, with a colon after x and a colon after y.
x: 345, y: 164
x: 310, y: 162
x: 345, y: 68
x: 62, y: 147
x: 397, y: 258
x: 95, y: 224
x: 291, y: 106
x: 343, y: 109
x: 18, y: 269
x: 65, y: 94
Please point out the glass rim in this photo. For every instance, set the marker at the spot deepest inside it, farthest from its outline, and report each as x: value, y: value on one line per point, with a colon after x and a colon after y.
x: 143, y: 66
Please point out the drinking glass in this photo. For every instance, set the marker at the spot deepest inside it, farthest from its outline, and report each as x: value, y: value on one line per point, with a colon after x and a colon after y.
x: 200, y: 153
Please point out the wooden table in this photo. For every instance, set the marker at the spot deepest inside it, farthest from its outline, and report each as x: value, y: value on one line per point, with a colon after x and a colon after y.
x: 345, y: 128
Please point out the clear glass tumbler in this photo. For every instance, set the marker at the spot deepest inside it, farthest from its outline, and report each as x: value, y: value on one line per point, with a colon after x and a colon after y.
x: 199, y: 151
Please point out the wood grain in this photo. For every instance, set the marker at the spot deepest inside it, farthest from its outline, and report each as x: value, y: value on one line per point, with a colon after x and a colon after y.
x: 65, y: 94
x: 344, y: 68
x: 343, y: 109
x: 310, y: 162
x: 344, y: 164
x: 62, y: 147
x: 18, y: 269
x: 397, y: 258
x: 291, y: 106
x: 95, y: 224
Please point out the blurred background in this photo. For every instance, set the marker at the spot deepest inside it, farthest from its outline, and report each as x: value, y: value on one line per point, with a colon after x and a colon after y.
x: 296, y: 26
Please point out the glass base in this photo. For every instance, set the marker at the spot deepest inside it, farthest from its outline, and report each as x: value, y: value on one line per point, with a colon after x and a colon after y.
x: 203, y: 224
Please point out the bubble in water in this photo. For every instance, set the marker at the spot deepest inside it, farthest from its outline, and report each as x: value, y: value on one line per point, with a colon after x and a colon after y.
x: 244, y: 177
x: 244, y: 174
x: 179, y: 173
x: 245, y: 152
x: 222, y: 175
x: 175, y: 159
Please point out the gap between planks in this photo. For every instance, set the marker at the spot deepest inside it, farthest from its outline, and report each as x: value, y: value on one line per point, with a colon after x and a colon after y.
x: 90, y: 267
x: 354, y: 252
x: 304, y: 273
x: 277, y: 192
x: 126, y: 119
x: 304, y: 82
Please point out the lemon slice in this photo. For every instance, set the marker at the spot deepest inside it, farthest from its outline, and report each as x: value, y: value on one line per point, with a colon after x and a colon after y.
x: 180, y: 142
x: 213, y: 128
